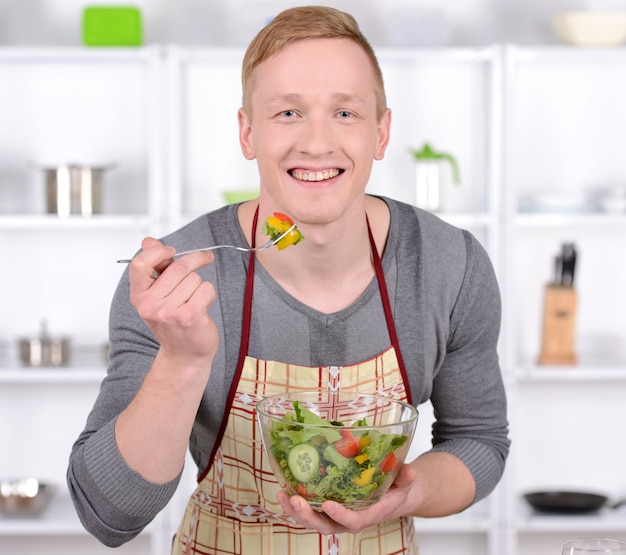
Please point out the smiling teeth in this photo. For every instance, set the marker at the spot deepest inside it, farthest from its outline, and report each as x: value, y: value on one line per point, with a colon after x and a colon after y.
x: 314, y: 176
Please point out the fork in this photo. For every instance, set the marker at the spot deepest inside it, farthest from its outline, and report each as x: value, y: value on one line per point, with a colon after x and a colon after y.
x: 263, y: 247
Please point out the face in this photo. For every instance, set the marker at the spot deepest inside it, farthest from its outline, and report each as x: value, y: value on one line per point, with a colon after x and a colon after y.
x: 313, y: 129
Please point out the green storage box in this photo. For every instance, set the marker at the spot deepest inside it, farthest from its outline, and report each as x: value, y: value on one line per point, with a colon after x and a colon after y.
x: 112, y: 26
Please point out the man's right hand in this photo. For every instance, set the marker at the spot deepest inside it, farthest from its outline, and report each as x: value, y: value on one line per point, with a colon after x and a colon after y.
x: 172, y: 299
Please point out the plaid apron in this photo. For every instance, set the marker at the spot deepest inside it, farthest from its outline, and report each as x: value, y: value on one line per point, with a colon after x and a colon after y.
x: 234, y: 509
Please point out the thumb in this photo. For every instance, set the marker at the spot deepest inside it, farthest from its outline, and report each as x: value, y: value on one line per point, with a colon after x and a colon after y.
x: 406, y: 476
x: 149, y: 242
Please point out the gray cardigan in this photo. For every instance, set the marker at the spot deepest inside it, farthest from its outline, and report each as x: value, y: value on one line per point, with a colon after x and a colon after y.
x: 446, y: 307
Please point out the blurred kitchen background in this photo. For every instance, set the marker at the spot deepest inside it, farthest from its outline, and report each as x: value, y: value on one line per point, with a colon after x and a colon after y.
x: 234, y: 22
x: 507, y: 120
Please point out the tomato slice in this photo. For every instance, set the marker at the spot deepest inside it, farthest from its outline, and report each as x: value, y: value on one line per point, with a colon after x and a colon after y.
x: 389, y: 463
x: 348, y: 445
x: 283, y: 217
x: 303, y: 492
x: 346, y: 434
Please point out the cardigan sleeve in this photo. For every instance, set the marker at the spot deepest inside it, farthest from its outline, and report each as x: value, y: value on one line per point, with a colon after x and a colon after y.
x: 468, y: 394
x: 113, y: 502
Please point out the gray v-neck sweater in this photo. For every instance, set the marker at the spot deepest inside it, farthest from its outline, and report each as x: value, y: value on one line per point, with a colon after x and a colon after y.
x: 446, y: 308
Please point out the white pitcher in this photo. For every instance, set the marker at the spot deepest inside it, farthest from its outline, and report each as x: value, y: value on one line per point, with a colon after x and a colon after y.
x: 430, y: 177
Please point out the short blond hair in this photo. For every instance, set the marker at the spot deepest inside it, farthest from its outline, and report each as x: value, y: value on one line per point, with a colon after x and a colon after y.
x: 301, y: 23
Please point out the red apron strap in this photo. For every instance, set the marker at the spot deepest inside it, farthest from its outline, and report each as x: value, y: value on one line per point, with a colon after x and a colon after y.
x: 391, y: 326
x: 247, y: 307
x: 243, y: 348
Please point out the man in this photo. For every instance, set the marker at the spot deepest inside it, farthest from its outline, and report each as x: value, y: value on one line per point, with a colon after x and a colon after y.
x: 380, y: 297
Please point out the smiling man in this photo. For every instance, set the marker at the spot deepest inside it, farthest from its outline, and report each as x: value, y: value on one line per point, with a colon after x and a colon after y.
x: 380, y: 298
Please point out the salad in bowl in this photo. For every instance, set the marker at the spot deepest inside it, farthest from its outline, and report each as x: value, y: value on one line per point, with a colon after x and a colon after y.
x: 336, y: 445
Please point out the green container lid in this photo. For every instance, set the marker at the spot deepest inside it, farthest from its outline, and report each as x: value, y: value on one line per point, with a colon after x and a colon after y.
x: 235, y: 196
x: 112, y: 26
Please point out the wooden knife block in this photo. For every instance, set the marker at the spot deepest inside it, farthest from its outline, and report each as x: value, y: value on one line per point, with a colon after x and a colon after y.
x: 559, y: 326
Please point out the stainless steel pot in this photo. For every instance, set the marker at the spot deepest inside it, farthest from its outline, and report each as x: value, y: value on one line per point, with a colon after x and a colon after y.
x: 24, y: 497
x: 74, y: 189
x: 44, y: 350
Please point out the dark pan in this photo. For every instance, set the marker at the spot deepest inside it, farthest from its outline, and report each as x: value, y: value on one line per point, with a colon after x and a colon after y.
x: 565, y: 502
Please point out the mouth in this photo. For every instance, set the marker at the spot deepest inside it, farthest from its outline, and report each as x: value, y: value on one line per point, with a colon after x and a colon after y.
x: 315, y: 175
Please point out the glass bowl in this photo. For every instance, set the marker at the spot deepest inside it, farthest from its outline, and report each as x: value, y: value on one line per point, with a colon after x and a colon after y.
x: 336, y: 446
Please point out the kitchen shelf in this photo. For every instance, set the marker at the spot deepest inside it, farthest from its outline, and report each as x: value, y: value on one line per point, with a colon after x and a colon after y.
x: 78, y: 375
x: 52, y: 222
x: 530, y: 521
x: 565, y: 56
x: 58, y: 519
x: 437, y: 56
x: 468, y: 219
x: 473, y: 520
x: 24, y: 55
x: 99, y: 222
x: 600, y: 373
x: 86, y: 366
x: 431, y: 55
x: 592, y: 220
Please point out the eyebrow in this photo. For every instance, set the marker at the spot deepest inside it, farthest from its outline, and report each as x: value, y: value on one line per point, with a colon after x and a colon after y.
x: 290, y: 98
x: 348, y: 98
x: 294, y: 98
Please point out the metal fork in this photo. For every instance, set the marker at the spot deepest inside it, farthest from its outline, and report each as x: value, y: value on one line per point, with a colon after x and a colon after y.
x: 267, y: 245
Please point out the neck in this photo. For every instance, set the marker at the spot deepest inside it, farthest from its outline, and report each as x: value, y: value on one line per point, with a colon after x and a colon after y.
x: 333, y: 266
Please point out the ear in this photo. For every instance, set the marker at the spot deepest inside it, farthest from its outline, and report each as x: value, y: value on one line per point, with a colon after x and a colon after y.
x: 245, y: 135
x: 382, y: 137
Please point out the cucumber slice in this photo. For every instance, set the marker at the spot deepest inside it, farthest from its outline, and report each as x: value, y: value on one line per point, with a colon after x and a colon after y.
x: 304, y: 462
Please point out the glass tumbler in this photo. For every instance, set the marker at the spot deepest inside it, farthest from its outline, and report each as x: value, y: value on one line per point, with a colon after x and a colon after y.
x: 593, y: 546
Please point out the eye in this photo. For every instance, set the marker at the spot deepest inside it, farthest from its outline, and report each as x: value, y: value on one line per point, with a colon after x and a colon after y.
x: 288, y: 114
x: 344, y: 114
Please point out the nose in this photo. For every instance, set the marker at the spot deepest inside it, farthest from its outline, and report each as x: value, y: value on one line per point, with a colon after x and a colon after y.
x: 316, y: 137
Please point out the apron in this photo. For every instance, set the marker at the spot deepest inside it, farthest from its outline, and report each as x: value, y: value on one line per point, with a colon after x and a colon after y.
x: 234, y: 510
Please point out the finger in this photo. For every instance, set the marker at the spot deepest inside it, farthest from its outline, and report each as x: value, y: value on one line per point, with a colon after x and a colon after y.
x: 154, y: 257
x: 388, y: 506
x: 405, y: 477
x: 177, y: 272
x: 183, y: 292
x: 187, y: 329
x: 299, y: 509
x: 347, y: 520
x: 203, y: 297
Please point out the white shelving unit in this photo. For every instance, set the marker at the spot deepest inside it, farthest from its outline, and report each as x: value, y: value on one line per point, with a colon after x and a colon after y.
x: 60, y: 106
x: 563, y: 121
x: 518, y: 120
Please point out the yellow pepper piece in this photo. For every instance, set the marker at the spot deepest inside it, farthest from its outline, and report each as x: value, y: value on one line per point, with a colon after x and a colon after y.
x: 364, y: 441
x: 361, y: 458
x: 365, y: 478
x: 279, y: 225
x: 290, y: 239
